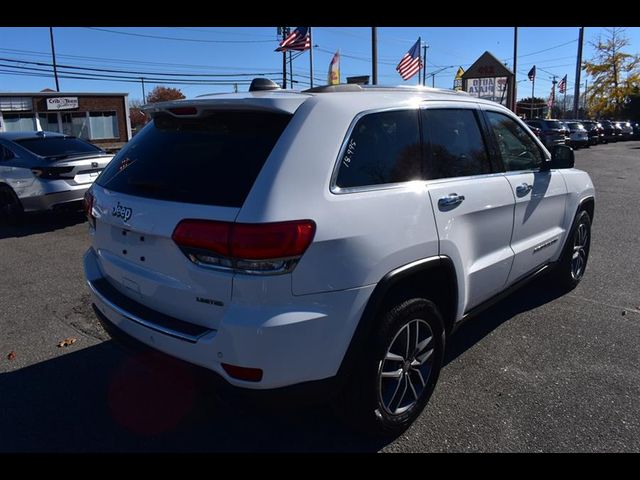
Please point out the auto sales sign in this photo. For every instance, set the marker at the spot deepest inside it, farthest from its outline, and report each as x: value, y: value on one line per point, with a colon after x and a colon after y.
x: 62, y: 103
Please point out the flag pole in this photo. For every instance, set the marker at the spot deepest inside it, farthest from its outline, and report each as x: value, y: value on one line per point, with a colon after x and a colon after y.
x: 424, y: 65
x: 311, y: 56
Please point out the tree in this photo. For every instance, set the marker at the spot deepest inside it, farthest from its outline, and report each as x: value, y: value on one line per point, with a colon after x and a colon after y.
x: 137, y: 117
x: 536, y: 109
x: 163, y: 94
x: 614, y: 74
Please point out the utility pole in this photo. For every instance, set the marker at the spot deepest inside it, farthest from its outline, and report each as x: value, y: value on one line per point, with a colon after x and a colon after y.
x: 576, y: 94
x: 311, y: 57
x: 53, y: 54
x: 533, y: 89
x: 433, y: 80
x: 553, y: 95
x: 144, y: 95
x: 424, y: 65
x: 374, y: 55
x: 514, y: 97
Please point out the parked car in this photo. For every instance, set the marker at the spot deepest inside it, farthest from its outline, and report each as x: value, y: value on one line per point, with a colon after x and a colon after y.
x: 578, y: 135
x: 626, y: 130
x: 594, y: 130
x: 332, y: 238
x: 611, y: 132
x: 536, y: 131
x: 636, y: 130
x: 552, y: 132
x: 45, y: 170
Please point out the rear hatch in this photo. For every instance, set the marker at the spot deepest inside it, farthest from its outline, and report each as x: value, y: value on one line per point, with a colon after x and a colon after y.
x: 200, y: 166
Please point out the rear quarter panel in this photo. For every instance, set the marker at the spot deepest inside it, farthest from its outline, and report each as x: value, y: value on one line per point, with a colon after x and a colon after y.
x: 360, y: 236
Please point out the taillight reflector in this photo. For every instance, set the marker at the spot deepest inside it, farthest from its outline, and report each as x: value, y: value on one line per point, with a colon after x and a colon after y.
x: 243, y: 373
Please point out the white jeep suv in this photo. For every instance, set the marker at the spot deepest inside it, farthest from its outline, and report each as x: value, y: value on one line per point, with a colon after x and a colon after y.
x: 331, y: 237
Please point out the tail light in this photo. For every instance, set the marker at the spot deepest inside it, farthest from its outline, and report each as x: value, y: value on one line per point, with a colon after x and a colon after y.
x: 88, y: 208
x: 255, y: 248
x: 52, y: 173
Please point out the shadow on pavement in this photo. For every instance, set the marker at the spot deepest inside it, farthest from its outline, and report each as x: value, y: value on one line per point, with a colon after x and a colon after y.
x: 42, y: 222
x: 103, y: 399
x: 106, y: 398
x: 530, y: 296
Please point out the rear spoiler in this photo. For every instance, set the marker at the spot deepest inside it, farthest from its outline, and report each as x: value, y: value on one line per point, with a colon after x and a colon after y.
x: 255, y: 102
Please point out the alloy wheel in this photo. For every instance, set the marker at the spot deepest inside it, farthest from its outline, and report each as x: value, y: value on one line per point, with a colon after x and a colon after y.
x: 404, y: 371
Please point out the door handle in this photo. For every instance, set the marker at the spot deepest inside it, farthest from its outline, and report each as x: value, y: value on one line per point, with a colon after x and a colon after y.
x: 523, y: 188
x: 451, y: 200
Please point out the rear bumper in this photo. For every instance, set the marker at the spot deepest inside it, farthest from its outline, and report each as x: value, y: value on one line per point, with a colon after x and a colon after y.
x: 52, y: 194
x: 306, y: 393
x: 302, y: 341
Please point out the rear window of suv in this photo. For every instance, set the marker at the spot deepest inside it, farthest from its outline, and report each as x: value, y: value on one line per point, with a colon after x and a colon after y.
x: 553, y: 125
x: 212, y: 160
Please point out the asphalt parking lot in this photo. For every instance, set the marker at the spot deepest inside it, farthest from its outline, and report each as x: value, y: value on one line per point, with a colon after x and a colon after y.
x: 536, y: 372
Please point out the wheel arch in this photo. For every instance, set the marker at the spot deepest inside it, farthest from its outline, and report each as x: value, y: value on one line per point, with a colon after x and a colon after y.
x: 433, y: 278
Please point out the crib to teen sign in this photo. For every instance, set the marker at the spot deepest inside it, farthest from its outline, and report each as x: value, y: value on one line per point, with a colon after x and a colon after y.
x: 62, y: 103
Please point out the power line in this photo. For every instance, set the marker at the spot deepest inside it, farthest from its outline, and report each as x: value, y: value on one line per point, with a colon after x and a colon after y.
x: 118, y: 60
x: 141, y: 73
x: 106, y: 77
x: 164, y: 82
x: 188, y: 29
x: 196, y: 40
x: 546, y: 49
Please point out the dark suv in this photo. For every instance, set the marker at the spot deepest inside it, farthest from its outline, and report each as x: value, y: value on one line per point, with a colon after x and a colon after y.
x: 552, y: 132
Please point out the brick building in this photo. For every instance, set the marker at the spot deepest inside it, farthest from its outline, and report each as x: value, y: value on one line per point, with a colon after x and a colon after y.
x: 101, y: 118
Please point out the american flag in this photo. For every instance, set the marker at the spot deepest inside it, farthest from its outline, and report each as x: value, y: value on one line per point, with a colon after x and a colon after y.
x: 411, y: 62
x: 562, y: 85
x: 298, y: 40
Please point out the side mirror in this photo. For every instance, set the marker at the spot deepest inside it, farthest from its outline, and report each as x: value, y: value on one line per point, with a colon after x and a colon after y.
x: 562, y: 156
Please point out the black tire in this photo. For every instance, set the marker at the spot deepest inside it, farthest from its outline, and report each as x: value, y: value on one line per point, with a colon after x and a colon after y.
x: 11, y: 211
x: 573, y: 261
x: 365, y: 402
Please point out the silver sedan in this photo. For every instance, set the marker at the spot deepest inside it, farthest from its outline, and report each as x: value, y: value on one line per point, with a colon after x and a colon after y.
x: 45, y: 170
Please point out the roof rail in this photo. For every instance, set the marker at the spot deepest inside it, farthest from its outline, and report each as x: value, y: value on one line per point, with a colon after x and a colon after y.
x: 343, y: 87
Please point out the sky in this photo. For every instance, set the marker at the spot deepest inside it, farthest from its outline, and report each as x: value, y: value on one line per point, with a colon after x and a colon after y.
x: 249, y: 51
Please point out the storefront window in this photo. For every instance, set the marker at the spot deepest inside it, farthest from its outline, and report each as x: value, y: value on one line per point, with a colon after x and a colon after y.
x: 103, y: 125
x: 17, y: 122
x: 49, y: 122
x: 75, y: 124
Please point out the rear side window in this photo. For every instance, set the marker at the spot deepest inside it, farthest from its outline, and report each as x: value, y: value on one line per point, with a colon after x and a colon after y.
x: 213, y: 160
x: 57, y: 147
x: 383, y: 148
x: 456, y: 146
